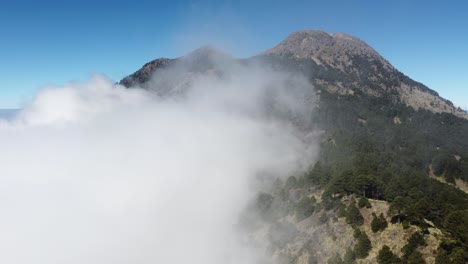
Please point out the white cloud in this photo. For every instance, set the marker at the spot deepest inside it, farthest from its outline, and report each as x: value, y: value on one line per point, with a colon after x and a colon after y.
x: 96, y: 173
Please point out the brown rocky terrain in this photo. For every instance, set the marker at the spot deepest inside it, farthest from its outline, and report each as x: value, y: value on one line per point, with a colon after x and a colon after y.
x: 369, y: 71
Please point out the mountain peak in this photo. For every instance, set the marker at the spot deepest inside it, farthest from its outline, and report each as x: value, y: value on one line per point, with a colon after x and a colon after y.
x: 324, y: 48
x: 355, y: 65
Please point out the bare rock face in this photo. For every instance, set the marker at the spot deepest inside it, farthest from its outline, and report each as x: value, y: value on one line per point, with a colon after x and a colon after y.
x: 361, y: 68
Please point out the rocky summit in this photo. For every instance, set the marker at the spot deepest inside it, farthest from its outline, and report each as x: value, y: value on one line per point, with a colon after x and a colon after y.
x: 361, y: 68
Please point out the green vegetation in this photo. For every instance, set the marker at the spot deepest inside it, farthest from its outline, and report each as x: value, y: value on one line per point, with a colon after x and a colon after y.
x: 415, y: 258
x: 387, y: 161
x: 451, y: 251
x: 448, y: 166
x: 457, y: 223
x: 364, y: 202
x: 305, y: 208
x: 353, y: 215
x: 363, y: 246
x: 378, y: 223
x: 365, y: 153
x: 414, y: 241
x: 349, y: 257
x: 386, y: 256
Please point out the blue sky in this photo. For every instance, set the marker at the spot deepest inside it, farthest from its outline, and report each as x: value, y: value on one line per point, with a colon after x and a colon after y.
x: 52, y: 42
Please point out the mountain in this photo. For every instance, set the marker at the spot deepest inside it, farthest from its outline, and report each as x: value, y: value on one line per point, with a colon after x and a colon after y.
x: 391, y: 180
x: 362, y: 69
x: 349, y: 66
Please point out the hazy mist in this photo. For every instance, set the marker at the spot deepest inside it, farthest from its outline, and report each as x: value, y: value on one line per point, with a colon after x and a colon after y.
x: 96, y: 173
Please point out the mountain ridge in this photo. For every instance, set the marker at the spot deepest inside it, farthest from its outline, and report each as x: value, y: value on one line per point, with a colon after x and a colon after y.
x: 356, y: 67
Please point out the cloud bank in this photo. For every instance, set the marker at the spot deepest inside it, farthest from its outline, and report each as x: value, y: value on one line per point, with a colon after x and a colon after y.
x: 97, y: 173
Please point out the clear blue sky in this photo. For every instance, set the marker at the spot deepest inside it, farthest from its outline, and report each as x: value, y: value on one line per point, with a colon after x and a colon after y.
x: 52, y: 42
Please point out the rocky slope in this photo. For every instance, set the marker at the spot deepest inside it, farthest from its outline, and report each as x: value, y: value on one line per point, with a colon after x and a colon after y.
x: 327, y: 236
x: 367, y: 69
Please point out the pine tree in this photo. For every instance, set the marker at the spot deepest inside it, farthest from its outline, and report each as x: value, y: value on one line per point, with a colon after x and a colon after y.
x: 397, y: 207
x: 383, y: 222
x: 375, y: 224
x: 364, y: 202
x: 378, y: 223
x: 353, y: 215
x: 414, y: 241
x: 386, y: 256
x: 416, y: 258
x: 442, y: 257
x: 363, y: 246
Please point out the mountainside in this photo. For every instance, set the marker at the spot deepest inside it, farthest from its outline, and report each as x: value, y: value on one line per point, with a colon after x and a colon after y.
x: 390, y: 181
x: 364, y: 69
x: 144, y: 74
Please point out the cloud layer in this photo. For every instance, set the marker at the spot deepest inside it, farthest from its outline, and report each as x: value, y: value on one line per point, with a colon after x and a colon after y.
x: 97, y: 173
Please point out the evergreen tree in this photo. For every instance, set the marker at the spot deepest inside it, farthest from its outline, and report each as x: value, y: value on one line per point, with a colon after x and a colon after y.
x: 383, y: 222
x: 457, y: 223
x: 327, y: 200
x: 353, y: 215
x: 363, y: 246
x: 416, y: 258
x: 341, y: 210
x: 442, y: 257
x: 458, y: 256
x: 375, y: 224
x: 414, y: 241
x: 386, y: 256
x: 364, y: 202
x: 357, y: 233
x: 378, y: 223
x: 363, y: 183
x: 397, y: 207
